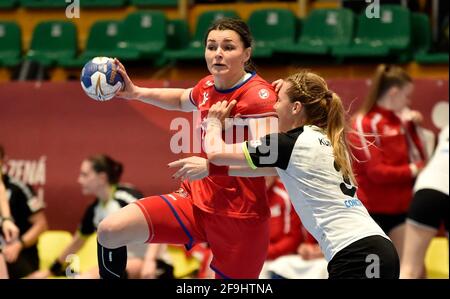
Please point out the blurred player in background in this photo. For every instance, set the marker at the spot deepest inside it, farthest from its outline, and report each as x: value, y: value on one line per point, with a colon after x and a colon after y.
x: 428, y: 210
x: 27, y: 211
x: 99, y: 176
x: 285, y: 226
x: 389, y: 153
x: 3, y: 215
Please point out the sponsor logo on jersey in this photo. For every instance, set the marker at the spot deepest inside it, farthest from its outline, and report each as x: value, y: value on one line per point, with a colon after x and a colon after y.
x: 323, y: 141
x: 354, y: 202
x: 209, y: 83
x: 181, y: 192
x: 205, y: 98
x: 263, y: 93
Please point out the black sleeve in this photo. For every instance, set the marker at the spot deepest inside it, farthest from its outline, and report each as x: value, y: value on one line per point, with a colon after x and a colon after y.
x: 87, y: 223
x: 19, y: 208
x: 26, y: 198
x: 273, y: 150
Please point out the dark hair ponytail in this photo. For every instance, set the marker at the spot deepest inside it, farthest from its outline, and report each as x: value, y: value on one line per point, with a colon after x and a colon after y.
x: 104, y: 163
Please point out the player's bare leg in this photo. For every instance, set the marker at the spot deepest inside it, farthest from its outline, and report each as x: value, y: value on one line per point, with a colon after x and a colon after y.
x: 3, y: 269
x: 126, y: 226
x: 397, y: 235
x: 417, y: 240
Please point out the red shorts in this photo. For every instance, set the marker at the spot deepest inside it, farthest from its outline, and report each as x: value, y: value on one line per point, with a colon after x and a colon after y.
x: 239, y: 246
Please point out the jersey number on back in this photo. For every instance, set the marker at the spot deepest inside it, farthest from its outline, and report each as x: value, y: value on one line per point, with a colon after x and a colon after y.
x: 343, y: 186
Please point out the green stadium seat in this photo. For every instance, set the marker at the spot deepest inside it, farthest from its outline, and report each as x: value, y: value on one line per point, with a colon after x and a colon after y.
x: 195, y: 49
x: 43, y: 3
x: 322, y: 30
x: 10, y: 44
x: 178, y: 38
x: 421, y: 47
x: 145, y: 31
x: 102, y: 3
x: 431, y: 58
x: 103, y: 40
x: 8, y: 4
x: 53, y: 42
x: 161, y: 3
x: 271, y: 28
x: 178, y: 35
x: 380, y: 37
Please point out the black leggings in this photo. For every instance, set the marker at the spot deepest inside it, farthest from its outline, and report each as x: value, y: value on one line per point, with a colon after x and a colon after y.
x: 26, y: 263
x: 370, y: 257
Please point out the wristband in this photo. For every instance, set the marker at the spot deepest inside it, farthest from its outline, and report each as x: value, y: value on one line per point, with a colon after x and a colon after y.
x: 57, y: 269
x: 3, y: 219
x: 213, y: 122
x: 215, y: 170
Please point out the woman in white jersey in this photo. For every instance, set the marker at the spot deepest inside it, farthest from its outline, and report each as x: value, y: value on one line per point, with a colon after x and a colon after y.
x: 428, y: 210
x: 311, y: 157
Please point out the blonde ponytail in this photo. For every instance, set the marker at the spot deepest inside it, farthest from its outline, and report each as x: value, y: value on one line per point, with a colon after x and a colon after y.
x: 324, y: 109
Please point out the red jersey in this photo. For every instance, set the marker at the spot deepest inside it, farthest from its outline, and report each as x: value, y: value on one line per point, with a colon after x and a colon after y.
x: 383, y: 174
x: 285, y: 225
x: 224, y: 195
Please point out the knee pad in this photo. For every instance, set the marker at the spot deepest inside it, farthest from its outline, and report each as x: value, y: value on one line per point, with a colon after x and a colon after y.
x: 112, y: 262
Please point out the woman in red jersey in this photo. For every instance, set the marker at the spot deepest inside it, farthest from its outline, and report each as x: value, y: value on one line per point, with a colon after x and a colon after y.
x: 389, y: 153
x: 229, y: 213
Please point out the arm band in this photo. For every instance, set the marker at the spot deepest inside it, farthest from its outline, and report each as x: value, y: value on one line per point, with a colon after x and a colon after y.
x: 57, y: 269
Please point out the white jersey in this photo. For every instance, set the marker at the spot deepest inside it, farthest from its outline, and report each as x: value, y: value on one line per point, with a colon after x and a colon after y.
x: 324, y: 200
x: 435, y: 174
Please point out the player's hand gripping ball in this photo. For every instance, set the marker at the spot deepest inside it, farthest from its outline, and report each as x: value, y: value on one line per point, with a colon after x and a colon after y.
x: 100, y: 79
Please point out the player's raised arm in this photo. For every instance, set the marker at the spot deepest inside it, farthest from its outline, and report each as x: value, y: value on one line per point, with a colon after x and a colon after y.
x: 165, y: 98
x: 217, y: 151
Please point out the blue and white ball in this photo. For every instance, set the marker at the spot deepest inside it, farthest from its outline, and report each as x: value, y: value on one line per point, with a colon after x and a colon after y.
x: 100, y: 79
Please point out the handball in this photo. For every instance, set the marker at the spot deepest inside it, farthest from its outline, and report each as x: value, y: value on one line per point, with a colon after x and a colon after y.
x: 100, y: 79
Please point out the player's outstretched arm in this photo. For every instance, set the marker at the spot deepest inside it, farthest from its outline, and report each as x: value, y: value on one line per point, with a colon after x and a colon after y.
x: 246, y: 171
x: 165, y: 98
x: 196, y: 168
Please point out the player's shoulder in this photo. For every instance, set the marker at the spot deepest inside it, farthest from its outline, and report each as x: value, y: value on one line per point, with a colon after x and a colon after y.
x: 259, y: 87
x: 206, y: 82
x: 313, y: 137
x: 17, y: 186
